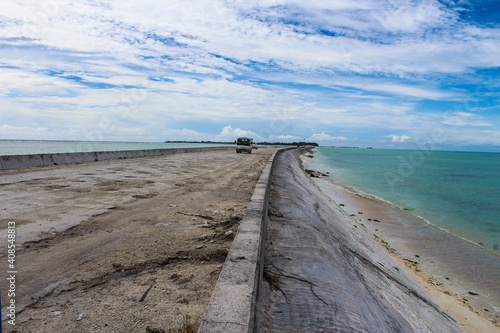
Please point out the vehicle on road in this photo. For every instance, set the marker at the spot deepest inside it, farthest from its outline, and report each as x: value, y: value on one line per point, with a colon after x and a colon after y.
x: 244, y: 145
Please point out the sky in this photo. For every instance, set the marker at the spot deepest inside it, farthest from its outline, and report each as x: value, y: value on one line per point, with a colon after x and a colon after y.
x: 389, y: 74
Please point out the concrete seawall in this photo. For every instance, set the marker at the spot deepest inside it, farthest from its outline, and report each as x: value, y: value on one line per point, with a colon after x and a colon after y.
x: 305, y: 266
x: 37, y: 160
x: 233, y: 302
x: 324, y: 273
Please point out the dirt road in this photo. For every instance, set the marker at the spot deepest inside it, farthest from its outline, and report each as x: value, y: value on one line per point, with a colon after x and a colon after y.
x: 122, y: 245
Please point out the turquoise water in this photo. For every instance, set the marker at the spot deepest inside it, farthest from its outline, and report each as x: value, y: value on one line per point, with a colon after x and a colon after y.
x: 25, y: 147
x: 458, y: 192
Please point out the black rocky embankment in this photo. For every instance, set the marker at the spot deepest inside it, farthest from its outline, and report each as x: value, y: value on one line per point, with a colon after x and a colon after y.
x: 323, y: 272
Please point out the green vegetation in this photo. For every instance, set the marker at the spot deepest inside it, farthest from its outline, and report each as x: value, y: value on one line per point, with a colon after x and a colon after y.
x: 263, y: 143
x: 301, y: 143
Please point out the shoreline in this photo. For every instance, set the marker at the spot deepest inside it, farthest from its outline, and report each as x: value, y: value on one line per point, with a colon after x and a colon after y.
x: 390, y: 227
x: 322, y: 270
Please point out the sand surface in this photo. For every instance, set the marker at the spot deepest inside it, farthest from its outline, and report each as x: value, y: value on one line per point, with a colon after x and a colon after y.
x: 93, y: 238
x: 475, y: 313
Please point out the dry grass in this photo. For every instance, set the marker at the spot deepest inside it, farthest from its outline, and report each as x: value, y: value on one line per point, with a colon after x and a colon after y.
x: 187, y: 326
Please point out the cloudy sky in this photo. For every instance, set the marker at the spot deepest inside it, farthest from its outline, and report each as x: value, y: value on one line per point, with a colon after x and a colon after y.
x: 393, y: 73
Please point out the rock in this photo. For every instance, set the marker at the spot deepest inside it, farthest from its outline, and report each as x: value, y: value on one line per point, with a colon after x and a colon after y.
x: 164, y: 223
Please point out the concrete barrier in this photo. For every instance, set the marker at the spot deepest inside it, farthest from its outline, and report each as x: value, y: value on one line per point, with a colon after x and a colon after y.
x: 232, y: 305
x: 36, y: 160
x: 71, y: 158
x: 14, y: 161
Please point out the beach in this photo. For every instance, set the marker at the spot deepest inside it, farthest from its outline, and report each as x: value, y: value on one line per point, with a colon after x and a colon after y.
x: 444, y: 271
x: 122, y: 245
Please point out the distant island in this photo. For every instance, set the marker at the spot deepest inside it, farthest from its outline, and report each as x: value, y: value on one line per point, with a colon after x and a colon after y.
x: 263, y: 143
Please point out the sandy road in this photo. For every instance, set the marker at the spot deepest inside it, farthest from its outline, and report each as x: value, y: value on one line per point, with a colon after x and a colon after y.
x: 94, y: 237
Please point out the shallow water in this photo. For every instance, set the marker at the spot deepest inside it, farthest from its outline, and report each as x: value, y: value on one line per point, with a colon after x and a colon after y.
x: 446, y: 247
x: 464, y: 266
x: 458, y: 192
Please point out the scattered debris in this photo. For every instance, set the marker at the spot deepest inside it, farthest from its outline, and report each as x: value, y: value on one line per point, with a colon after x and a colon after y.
x: 147, y: 292
x: 315, y: 174
x: 231, y: 221
x: 164, y: 223
x: 80, y: 316
x: 206, y: 217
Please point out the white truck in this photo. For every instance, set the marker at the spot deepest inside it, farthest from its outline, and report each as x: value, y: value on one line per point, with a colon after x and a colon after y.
x: 244, y: 145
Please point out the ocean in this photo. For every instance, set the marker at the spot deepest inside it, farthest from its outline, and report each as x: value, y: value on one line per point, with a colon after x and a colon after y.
x: 458, y: 192
x: 440, y: 208
x: 26, y: 147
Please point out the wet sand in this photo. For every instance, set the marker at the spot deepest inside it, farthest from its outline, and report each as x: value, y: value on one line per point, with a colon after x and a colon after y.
x: 122, y: 244
x: 444, y: 265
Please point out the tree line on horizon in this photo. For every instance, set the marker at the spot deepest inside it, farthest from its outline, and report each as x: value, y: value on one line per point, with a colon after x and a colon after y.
x: 264, y: 143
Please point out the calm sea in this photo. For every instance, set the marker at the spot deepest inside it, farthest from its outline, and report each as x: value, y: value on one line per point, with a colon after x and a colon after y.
x: 458, y: 192
x: 25, y: 147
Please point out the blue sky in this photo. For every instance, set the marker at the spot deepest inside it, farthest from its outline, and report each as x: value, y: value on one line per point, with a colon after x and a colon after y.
x: 396, y: 74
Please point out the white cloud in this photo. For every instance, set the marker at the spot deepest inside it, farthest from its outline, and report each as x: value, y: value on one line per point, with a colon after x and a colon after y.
x: 20, y: 131
x: 322, y: 137
x: 186, y: 135
x: 345, y: 63
x: 127, y: 29
x: 287, y: 138
x: 465, y: 119
x: 397, y: 138
x: 411, y: 91
x: 229, y: 134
